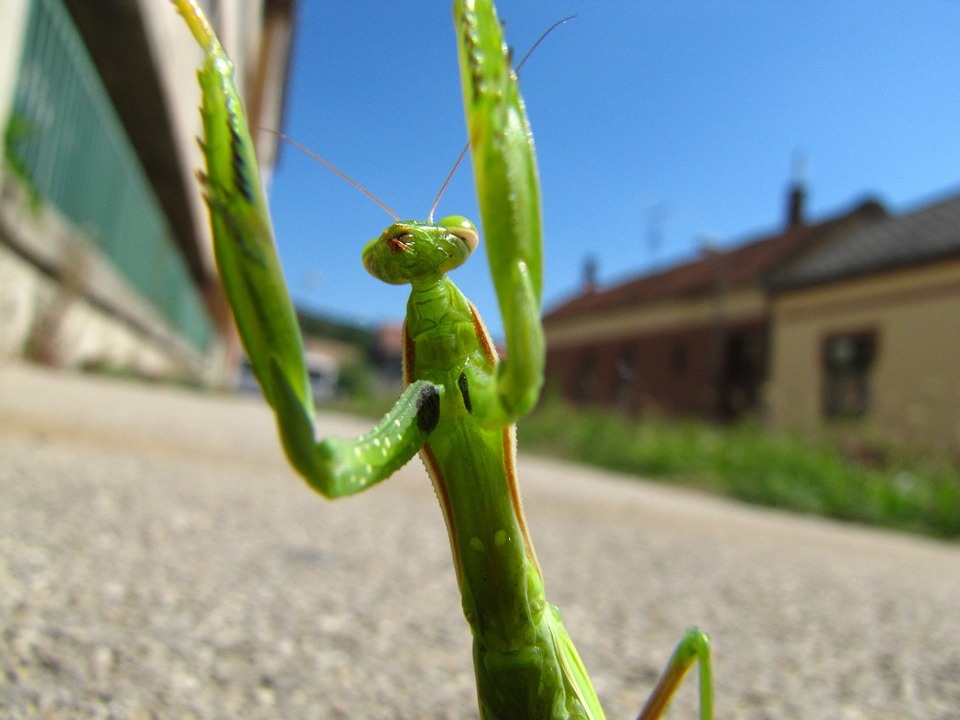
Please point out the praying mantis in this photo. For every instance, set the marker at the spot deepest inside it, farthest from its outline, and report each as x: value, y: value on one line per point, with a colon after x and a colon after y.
x: 460, y: 400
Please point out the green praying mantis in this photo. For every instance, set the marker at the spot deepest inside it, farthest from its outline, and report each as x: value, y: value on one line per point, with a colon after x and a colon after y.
x: 460, y: 401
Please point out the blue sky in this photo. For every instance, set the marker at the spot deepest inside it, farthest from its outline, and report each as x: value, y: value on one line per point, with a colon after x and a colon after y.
x: 659, y: 126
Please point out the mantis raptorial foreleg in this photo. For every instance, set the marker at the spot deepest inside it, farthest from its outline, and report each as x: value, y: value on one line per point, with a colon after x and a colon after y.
x: 460, y: 399
x: 253, y: 280
x: 508, y: 192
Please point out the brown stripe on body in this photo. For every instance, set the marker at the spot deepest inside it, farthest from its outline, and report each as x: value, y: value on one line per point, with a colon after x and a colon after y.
x: 430, y: 462
x: 440, y: 488
x: 483, y: 335
x: 509, y: 442
x: 513, y: 482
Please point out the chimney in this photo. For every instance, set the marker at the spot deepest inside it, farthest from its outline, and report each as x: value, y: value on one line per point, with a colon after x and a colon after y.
x: 795, y: 206
x: 796, y: 199
x: 589, y: 284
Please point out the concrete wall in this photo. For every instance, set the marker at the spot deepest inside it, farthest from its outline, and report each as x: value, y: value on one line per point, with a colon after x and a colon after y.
x: 915, y: 377
x: 62, y: 304
x: 13, y: 17
x: 60, y: 301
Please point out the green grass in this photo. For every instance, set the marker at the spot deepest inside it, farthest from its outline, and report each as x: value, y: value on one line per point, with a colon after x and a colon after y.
x: 886, y: 487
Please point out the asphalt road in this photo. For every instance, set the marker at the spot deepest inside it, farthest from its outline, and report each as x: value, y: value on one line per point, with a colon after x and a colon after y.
x: 159, y: 560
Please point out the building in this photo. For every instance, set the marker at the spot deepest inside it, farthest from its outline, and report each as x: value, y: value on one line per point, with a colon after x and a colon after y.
x: 105, y: 252
x: 853, y: 321
x: 689, y: 340
x: 867, y: 329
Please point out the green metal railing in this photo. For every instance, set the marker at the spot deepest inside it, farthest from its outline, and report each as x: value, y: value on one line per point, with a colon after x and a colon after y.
x: 78, y: 158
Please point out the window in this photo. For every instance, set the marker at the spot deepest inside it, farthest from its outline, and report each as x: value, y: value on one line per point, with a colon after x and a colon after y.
x: 680, y: 358
x: 586, y: 388
x: 626, y: 375
x: 743, y: 373
x: 848, y: 361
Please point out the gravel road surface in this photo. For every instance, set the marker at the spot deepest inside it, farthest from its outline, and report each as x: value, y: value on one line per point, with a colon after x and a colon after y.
x: 159, y: 560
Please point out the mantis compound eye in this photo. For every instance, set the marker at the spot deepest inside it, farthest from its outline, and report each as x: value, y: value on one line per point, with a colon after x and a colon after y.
x: 463, y: 229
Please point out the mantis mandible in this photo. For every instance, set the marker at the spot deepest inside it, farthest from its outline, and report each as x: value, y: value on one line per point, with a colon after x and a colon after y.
x: 460, y: 401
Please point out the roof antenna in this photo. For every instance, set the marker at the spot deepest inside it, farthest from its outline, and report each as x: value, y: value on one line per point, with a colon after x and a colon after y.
x: 466, y: 147
x: 796, y: 199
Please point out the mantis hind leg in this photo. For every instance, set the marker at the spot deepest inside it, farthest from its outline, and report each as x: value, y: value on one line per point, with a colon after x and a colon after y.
x: 693, y: 647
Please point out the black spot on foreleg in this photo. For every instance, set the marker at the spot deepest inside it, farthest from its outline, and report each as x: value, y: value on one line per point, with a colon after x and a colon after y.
x: 464, y: 391
x: 428, y: 408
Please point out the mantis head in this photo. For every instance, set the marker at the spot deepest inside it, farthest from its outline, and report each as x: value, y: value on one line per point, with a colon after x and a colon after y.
x: 409, y: 251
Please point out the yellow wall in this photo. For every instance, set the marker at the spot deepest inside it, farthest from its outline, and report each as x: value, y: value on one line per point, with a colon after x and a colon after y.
x: 738, y: 305
x: 915, y: 381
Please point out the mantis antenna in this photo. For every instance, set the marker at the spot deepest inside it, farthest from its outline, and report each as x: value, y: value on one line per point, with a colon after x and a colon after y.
x: 466, y: 147
x: 330, y: 166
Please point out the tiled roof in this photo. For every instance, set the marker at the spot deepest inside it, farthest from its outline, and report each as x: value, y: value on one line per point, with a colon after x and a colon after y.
x: 746, y: 263
x: 929, y: 233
